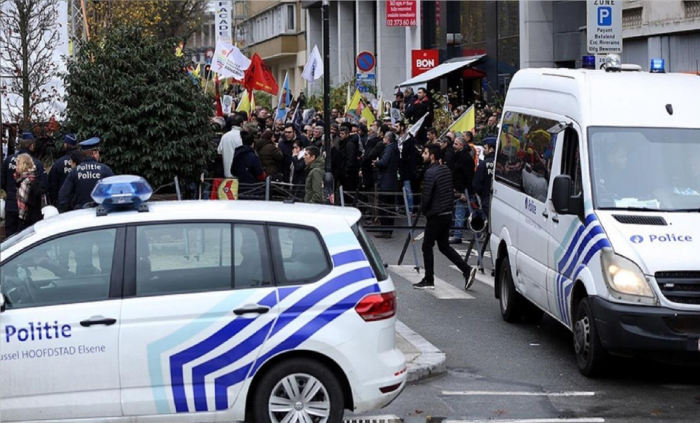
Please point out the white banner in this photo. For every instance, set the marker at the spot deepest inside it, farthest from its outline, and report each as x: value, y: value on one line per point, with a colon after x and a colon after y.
x: 314, y: 66
x: 229, y: 62
x: 226, y: 104
x: 224, y: 21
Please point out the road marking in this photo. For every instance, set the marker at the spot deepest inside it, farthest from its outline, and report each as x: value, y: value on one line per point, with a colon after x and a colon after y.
x: 485, y: 279
x: 520, y: 394
x: 419, y: 236
x: 473, y: 253
x: 555, y: 420
x: 442, y: 291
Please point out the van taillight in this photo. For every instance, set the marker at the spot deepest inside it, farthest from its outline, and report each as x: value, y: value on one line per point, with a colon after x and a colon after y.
x: 377, y: 306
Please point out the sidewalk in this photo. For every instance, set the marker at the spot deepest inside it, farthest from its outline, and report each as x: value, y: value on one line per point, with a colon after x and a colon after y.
x: 423, y: 359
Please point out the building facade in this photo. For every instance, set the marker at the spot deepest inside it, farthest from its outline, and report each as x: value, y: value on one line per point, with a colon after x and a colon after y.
x: 553, y: 33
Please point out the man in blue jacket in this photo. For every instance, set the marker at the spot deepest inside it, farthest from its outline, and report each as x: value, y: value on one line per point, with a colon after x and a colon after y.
x: 246, y: 165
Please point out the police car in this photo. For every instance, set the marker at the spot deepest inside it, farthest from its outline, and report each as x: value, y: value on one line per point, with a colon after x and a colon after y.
x: 195, y: 311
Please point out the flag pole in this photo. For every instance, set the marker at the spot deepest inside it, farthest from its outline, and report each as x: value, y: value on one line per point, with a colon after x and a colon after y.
x: 328, y: 184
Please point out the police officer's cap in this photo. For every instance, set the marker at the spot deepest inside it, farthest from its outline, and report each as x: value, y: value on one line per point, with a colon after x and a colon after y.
x: 90, y: 144
x: 71, y: 139
x: 490, y: 141
x: 27, y: 136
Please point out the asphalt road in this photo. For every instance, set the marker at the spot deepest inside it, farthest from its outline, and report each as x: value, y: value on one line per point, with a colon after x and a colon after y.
x: 521, y: 372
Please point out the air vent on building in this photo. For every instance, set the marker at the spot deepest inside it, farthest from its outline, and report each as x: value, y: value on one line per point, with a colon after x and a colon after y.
x: 640, y: 220
x: 633, y: 17
x: 692, y: 9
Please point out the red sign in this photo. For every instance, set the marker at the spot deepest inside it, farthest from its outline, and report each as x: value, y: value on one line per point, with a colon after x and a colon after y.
x: 401, y: 13
x: 424, y: 60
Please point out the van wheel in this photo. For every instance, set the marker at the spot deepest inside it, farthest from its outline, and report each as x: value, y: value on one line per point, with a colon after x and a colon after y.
x: 298, y: 390
x: 590, y: 354
x: 512, y: 303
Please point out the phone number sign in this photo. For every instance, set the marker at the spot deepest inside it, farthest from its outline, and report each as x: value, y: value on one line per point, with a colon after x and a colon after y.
x: 401, y: 13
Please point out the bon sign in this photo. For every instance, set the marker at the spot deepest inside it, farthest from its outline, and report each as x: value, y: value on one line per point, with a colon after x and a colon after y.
x: 401, y: 13
x: 423, y: 60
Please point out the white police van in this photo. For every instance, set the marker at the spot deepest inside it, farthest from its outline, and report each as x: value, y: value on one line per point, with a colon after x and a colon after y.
x: 595, y: 214
x: 195, y: 312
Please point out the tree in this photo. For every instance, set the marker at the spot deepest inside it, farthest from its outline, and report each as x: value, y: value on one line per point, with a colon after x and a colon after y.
x: 162, y: 18
x: 29, y: 35
x: 130, y: 90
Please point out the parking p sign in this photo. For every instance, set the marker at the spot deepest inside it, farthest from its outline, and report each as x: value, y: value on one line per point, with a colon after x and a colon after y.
x: 604, y: 26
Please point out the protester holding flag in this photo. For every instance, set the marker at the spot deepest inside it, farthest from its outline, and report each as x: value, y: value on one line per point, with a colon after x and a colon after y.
x: 422, y: 106
x: 271, y: 157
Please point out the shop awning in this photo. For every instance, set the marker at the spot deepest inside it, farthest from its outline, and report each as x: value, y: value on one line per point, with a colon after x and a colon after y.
x: 441, y: 70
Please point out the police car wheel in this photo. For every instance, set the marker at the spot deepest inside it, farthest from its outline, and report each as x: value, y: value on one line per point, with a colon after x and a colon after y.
x: 298, y: 390
x: 511, y: 302
x: 590, y: 354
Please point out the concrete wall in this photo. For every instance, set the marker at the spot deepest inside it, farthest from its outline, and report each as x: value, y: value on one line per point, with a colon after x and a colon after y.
x: 391, y: 54
x: 346, y: 41
x: 536, y: 34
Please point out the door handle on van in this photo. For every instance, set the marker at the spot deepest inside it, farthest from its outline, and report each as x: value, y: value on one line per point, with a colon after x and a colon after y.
x: 249, y: 309
x: 545, y: 214
x: 555, y: 219
x: 98, y: 321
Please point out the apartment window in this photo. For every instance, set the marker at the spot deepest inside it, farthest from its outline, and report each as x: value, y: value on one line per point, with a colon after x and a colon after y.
x: 290, y: 17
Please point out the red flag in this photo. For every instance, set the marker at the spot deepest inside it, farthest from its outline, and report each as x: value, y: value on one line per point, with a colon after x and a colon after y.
x: 259, y: 77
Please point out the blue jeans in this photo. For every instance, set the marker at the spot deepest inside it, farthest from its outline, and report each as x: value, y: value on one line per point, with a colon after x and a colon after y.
x: 460, y: 216
x: 409, y: 195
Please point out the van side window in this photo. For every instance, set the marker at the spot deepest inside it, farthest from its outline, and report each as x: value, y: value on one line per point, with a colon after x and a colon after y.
x: 571, y: 160
x: 71, y: 269
x: 525, y: 153
x: 183, y: 258
x: 299, y: 255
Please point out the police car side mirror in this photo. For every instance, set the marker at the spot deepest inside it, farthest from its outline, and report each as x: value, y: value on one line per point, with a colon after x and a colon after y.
x: 2, y: 303
x: 561, y: 195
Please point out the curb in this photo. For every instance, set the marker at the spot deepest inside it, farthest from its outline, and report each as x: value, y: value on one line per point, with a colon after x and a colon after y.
x: 430, y: 361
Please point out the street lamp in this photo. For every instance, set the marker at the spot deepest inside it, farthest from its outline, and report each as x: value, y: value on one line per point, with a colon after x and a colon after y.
x: 328, y: 186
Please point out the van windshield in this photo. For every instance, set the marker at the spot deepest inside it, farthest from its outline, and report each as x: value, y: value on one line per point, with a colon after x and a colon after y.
x: 645, y: 168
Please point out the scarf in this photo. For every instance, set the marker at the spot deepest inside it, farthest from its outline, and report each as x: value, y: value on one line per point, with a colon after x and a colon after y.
x: 24, y: 182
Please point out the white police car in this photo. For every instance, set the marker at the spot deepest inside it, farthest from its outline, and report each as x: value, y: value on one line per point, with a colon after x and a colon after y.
x: 195, y: 311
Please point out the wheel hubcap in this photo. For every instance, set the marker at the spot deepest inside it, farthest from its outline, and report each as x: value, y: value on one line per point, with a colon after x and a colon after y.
x: 582, y: 336
x: 299, y: 398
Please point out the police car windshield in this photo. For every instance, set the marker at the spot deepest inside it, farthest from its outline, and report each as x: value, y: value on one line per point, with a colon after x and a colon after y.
x: 645, y: 168
x: 9, y: 242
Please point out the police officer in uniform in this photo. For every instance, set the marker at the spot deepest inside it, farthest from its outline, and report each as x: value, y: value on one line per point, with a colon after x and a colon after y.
x: 483, y: 182
x: 7, y: 181
x: 61, y: 168
x: 76, y: 190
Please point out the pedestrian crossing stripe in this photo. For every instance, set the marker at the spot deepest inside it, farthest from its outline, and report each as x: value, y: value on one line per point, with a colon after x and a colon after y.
x: 485, y: 279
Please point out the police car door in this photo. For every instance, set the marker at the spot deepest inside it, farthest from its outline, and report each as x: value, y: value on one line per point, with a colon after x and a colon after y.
x: 199, y: 304
x: 60, y: 328
x: 570, y: 240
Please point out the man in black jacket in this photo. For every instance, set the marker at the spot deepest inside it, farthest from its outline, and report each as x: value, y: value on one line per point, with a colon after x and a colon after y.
x: 387, y: 180
x: 463, y: 176
x: 7, y: 181
x: 350, y: 151
x: 437, y: 204
x: 61, y: 168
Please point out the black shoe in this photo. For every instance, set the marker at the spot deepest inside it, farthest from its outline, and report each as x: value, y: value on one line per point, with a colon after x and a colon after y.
x: 469, y: 278
x: 424, y: 284
x: 455, y: 240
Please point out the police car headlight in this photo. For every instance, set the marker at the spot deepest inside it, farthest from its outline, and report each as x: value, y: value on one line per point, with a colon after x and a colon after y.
x: 625, y: 279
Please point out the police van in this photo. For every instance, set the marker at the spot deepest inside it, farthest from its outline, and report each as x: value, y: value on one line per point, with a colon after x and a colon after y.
x: 595, y: 214
x: 195, y: 312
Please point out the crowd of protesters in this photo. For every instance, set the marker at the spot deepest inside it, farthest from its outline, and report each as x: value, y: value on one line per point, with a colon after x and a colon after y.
x: 365, y: 159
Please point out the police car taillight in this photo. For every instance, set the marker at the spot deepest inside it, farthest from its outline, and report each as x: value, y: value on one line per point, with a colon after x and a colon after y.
x: 122, y: 191
x: 377, y: 307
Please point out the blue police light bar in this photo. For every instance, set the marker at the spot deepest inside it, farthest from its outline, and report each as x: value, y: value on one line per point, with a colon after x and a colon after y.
x: 588, y: 62
x: 122, y: 191
x: 658, y: 66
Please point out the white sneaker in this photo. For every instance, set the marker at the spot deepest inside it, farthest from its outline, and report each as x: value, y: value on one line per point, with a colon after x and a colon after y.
x: 469, y: 279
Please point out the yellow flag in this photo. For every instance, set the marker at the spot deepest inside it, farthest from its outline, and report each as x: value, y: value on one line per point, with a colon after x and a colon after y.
x: 465, y: 122
x: 196, y: 71
x: 354, y: 102
x: 367, y: 114
x: 244, y: 104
